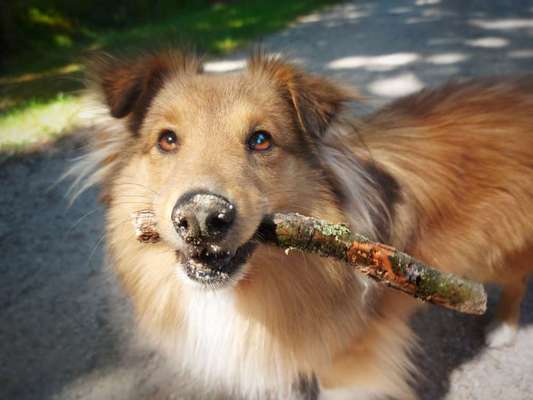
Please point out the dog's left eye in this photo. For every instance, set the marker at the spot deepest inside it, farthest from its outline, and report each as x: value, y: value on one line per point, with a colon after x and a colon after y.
x: 260, y: 141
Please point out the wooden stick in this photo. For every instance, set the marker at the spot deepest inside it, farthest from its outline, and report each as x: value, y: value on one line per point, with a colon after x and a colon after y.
x: 383, y: 263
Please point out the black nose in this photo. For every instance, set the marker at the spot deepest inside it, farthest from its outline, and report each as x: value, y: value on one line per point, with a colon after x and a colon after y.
x: 202, y: 217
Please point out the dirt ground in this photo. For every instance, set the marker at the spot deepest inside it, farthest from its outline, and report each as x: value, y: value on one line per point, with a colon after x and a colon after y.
x: 57, y: 302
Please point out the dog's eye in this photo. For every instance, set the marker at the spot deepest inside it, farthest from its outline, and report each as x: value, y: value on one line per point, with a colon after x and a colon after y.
x: 260, y: 141
x: 168, y: 141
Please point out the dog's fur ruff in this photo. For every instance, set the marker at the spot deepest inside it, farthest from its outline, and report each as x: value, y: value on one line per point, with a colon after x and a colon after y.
x: 445, y: 175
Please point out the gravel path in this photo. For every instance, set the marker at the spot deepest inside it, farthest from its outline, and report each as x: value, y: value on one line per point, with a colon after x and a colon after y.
x: 56, y: 340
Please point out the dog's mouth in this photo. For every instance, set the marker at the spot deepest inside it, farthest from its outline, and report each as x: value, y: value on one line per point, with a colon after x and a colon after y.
x: 212, y: 265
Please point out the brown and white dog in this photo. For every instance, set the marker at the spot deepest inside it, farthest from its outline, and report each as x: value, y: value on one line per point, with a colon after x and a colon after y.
x: 445, y: 175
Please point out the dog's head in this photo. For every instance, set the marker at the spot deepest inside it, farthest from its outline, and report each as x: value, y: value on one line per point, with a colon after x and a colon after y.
x: 213, y: 154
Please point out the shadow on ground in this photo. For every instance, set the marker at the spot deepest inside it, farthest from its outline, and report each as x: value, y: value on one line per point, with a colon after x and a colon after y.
x: 54, y: 295
x: 53, y: 299
x: 449, y: 340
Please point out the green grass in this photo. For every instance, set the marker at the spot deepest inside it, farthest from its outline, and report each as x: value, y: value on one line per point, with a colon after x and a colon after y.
x: 38, y: 122
x: 38, y: 88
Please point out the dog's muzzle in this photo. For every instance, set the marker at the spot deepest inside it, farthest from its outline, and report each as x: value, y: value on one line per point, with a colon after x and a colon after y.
x: 202, y: 219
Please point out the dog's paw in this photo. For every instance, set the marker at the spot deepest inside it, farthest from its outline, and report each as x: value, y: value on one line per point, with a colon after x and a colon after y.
x: 500, y: 334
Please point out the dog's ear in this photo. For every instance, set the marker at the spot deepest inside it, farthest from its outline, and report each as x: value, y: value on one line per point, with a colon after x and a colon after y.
x: 316, y: 100
x: 129, y: 85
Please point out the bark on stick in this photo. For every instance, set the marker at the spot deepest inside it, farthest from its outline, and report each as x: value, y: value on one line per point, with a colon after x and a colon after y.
x: 383, y: 263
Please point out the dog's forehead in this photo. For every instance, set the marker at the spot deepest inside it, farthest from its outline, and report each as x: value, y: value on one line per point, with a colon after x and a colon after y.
x: 214, y: 90
x: 218, y: 96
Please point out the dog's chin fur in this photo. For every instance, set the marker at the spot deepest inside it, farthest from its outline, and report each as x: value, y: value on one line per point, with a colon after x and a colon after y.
x: 444, y: 169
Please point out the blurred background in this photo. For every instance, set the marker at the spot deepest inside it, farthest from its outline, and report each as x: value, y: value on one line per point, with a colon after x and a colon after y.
x: 43, y: 43
x: 64, y: 329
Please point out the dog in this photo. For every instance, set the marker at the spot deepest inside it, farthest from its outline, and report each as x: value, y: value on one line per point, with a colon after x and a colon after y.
x: 444, y: 175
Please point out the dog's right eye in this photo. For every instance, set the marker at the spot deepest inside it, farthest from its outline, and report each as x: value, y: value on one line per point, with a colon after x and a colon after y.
x: 168, y: 141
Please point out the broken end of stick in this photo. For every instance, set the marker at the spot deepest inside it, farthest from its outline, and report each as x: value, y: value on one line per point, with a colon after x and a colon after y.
x: 476, y: 303
x: 145, y: 226
x: 466, y: 297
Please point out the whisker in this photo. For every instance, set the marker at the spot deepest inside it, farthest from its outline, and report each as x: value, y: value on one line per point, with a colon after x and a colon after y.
x: 133, y: 179
x: 93, y: 251
x: 76, y: 223
x: 136, y: 184
x: 131, y: 195
x: 145, y: 203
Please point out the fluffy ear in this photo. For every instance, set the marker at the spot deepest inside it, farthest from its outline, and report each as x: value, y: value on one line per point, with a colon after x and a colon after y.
x: 128, y: 86
x: 316, y: 100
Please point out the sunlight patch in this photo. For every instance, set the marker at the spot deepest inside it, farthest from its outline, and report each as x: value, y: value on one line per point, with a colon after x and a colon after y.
x: 374, y: 63
x: 526, y: 53
x: 502, y: 24
x: 400, y: 85
x: 400, y: 10
x: 446, y: 58
x: 40, y: 122
x: 310, y: 18
x: 488, y: 42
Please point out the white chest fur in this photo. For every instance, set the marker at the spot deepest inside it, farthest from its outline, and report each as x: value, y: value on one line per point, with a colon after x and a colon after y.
x: 224, y: 349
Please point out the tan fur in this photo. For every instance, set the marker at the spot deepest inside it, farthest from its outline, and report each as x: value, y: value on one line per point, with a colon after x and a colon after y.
x: 444, y: 175
x: 473, y: 169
